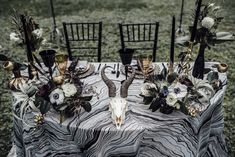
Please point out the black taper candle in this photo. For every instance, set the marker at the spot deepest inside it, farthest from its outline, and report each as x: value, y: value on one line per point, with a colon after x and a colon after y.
x: 199, y: 65
x: 197, y: 13
x: 53, y: 17
x: 28, y: 46
x: 172, y: 41
x: 181, y: 15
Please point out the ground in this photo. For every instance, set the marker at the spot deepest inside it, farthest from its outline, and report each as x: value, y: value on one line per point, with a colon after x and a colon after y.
x: 111, y: 13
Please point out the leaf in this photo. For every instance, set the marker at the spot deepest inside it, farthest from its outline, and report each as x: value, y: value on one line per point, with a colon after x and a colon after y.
x: 223, y: 37
x: 73, y: 65
x: 23, y: 67
x: 69, y: 111
x: 207, y: 70
x: 182, y: 41
x: 147, y: 100
x: 171, y: 77
x: 86, y: 105
x: 212, y: 76
x: 183, y: 108
x: 3, y: 58
x: 37, y: 60
x: 42, y: 104
x: 85, y: 97
x: 164, y: 72
x: 155, y: 105
x: 166, y: 109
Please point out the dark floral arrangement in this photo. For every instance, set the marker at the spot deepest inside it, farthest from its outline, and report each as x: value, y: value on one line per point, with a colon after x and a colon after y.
x: 206, y: 36
x: 167, y: 92
x: 209, y: 20
x: 34, y: 32
x: 62, y: 90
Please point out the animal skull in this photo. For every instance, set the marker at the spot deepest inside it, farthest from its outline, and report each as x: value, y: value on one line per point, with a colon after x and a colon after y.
x: 118, y: 105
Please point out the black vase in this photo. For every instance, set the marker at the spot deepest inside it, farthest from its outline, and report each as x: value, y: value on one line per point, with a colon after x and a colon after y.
x: 48, y: 57
x: 126, y: 55
x: 199, y: 65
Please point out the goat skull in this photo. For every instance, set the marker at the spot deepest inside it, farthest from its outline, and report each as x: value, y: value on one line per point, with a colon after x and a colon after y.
x: 118, y: 105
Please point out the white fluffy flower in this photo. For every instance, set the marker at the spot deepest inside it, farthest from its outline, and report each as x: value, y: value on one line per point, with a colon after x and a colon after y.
x: 37, y: 32
x: 208, y: 22
x: 69, y: 89
x: 216, y: 8
x: 211, y: 5
x: 179, y: 89
x: 171, y: 99
x: 146, y: 89
x: 14, y: 37
x: 57, y: 96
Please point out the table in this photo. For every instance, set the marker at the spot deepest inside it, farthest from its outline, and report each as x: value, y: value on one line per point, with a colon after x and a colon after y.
x: 144, y: 134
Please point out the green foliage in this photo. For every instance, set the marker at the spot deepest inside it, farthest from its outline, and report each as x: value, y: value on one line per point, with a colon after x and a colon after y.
x: 111, y: 13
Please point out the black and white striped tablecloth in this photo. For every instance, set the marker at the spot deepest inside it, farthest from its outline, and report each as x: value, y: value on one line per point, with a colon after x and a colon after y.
x: 144, y: 134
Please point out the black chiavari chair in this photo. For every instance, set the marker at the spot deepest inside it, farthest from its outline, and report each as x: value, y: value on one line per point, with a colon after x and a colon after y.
x: 146, y: 33
x: 84, y: 38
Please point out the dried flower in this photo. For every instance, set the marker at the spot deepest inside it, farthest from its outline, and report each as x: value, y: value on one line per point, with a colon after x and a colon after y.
x: 37, y: 33
x: 211, y: 5
x: 43, y: 91
x: 69, y: 89
x: 57, y: 96
x: 208, y: 22
x: 14, y: 37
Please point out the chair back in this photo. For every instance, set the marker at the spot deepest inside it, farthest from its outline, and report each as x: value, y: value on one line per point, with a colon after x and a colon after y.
x: 85, y: 38
x: 140, y: 36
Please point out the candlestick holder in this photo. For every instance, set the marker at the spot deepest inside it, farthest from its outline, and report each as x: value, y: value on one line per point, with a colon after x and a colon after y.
x: 185, y: 66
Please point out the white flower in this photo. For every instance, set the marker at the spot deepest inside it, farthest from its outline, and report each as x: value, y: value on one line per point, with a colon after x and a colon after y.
x: 208, y: 22
x: 37, y: 33
x: 146, y: 89
x: 57, y: 96
x: 44, y: 42
x: 171, y: 99
x: 216, y: 8
x: 211, y: 5
x: 14, y: 37
x: 69, y: 89
x: 0, y: 47
x: 179, y: 89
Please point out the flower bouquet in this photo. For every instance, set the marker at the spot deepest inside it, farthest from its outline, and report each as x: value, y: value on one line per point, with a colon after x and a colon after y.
x: 62, y: 90
x: 34, y: 32
x: 169, y: 92
x: 206, y: 35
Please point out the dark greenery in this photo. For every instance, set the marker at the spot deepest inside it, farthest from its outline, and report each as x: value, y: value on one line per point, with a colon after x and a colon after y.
x: 111, y: 13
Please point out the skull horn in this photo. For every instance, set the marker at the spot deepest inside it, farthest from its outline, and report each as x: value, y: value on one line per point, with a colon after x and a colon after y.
x: 108, y: 82
x: 127, y: 83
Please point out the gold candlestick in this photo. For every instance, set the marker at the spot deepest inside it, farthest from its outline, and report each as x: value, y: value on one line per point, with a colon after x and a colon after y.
x: 185, y: 64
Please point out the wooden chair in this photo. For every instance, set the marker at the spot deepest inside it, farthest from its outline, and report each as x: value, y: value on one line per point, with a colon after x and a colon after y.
x: 146, y: 33
x: 84, y: 37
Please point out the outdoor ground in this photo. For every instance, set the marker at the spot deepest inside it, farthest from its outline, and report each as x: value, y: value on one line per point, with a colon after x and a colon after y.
x: 111, y: 13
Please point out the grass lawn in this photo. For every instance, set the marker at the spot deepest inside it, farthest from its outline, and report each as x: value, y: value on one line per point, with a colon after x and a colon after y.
x: 111, y: 13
